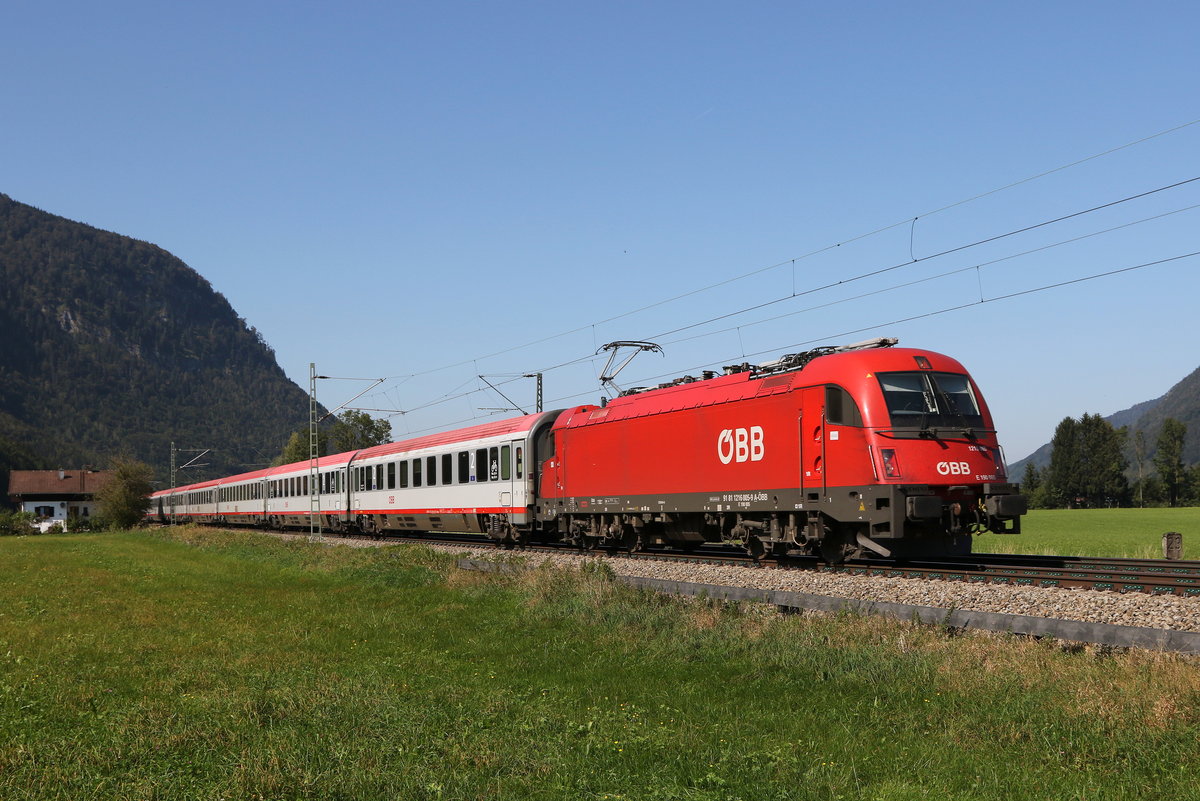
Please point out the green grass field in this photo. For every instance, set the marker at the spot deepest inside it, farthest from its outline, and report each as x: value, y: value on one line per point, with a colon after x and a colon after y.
x: 1098, y: 532
x: 213, y: 665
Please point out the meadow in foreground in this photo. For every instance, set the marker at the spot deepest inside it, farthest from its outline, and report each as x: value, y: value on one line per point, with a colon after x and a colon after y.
x: 216, y: 665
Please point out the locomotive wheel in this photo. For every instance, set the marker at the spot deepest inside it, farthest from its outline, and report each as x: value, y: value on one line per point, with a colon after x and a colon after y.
x: 839, y: 545
x: 631, y: 540
x: 756, y: 548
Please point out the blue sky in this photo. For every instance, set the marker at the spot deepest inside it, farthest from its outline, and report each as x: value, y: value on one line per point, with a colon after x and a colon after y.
x: 416, y: 190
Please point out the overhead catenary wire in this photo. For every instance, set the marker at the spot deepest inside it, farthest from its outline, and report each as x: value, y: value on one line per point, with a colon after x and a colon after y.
x: 947, y: 252
x: 809, y: 254
x: 880, y: 271
x: 906, y: 284
x: 869, y: 327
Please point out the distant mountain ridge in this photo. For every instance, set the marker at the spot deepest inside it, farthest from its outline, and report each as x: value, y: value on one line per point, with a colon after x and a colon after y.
x: 1181, y: 402
x: 113, y: 346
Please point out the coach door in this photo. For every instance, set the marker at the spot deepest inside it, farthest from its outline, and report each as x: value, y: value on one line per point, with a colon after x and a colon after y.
x: 501, y: 471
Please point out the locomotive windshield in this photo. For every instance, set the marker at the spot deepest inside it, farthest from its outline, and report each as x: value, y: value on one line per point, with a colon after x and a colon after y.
x: 930, y: 400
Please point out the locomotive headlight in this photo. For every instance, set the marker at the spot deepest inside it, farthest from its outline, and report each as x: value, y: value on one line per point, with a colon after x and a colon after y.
x: 998, y: 459
x: 891, y: 464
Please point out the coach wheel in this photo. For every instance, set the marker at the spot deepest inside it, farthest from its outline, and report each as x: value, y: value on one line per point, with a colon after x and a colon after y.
x: 510, y: 537
x: 520, y: 537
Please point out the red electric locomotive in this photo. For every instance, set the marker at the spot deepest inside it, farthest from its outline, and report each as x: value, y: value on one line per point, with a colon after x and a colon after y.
x: 837, y: 452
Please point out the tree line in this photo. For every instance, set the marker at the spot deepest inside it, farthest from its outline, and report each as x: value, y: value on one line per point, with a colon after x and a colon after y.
x: 1091, y: 467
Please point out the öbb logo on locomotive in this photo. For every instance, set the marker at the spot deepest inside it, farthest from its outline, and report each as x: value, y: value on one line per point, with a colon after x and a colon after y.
x: 953, y: 468
x: 741, y: 445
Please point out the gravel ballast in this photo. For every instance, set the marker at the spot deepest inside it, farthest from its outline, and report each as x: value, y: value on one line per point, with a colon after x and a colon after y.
x: 1169, y: 612
x: 1129, y: 609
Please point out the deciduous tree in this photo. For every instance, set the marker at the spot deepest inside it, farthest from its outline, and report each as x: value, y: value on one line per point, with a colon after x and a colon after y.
x: 125, y: 498
x: 357, y: 430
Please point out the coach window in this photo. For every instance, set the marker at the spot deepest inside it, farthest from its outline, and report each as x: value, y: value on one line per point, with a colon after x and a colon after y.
x: 403, y: 473
x: 493, y: 467
x: 378, y: 477
x: 431, y: 470
x: 840, y: 408
x: 416, y: 463
x: 481, y: 465
x: 391, y: 484
x: 505, y: 462
x: 447, y: 468
x: 520, y: 462
x: 464, y: 467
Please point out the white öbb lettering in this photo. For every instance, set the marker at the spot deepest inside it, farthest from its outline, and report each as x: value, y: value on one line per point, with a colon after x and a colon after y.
x: 741, y: 445
x: 953, y: 468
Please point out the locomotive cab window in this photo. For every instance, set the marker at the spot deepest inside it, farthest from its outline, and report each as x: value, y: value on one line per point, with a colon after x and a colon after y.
x: 930, y: 400
x: 840, y: 408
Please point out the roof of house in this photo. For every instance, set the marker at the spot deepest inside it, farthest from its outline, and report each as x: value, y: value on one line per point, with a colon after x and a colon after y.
x: 56, y: 482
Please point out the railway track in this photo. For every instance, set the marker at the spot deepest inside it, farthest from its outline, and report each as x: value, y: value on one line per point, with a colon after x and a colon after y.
x: 1149, y: 576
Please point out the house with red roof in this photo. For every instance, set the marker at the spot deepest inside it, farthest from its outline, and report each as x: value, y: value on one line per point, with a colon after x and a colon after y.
x: 56, y: 495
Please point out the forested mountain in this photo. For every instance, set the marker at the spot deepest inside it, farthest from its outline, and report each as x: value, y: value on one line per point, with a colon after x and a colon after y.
x: 112, y: 346
x: 1182, y: 403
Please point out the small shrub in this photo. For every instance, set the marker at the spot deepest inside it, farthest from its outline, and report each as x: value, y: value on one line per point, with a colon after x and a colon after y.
x: 16, y: 524
x: 126, y: 497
